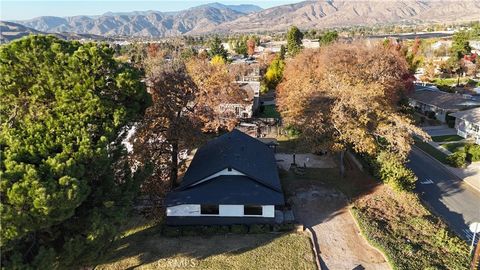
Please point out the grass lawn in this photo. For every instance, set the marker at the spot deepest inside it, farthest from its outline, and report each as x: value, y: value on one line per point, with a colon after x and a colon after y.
x: 453, y: 147
x: 270, y: 111
x: 450, y: 81
x: 143, y: 247
x: 432, y: 151
x: 447, y: 138
x: 397, y: 223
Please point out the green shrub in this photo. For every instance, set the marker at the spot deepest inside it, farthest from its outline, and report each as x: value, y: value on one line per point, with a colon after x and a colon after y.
x: 473, y: 152
x: 240, y: 229
x: 392, y: 171
x: 171, y: 231
x: 215, y: 229
x: 259, y: 228
x: 284, y: 227
x: 193, y: 230
x: 457, y: 159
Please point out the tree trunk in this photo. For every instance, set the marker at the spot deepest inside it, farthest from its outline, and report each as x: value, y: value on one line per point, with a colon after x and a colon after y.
x: 342, y: 165
x: 174, y: 169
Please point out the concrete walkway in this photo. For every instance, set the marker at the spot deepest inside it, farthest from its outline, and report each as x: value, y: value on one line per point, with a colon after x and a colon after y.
x: 439, y: 148
x: 470, y: 174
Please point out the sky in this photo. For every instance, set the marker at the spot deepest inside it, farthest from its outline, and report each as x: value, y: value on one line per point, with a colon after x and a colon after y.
x: 23, y: 10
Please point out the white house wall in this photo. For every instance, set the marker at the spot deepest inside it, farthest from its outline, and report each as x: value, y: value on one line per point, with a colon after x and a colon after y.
x: 193, y: 210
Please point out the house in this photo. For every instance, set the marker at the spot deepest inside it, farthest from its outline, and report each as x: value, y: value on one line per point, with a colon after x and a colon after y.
x: 310, y: 44
x: 233, y: 179
x: 440, y: 104
x: 467, y: 124
x: 250, y: 84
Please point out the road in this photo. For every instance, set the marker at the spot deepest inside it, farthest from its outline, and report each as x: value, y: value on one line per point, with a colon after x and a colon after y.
x: 448, y: 196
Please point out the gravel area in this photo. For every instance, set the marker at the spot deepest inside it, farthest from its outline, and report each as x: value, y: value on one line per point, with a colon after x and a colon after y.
x: 341, y: 245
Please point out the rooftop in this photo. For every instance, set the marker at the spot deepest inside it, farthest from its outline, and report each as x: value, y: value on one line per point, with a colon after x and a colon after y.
x: 472, y: 116
x: 444, y: 100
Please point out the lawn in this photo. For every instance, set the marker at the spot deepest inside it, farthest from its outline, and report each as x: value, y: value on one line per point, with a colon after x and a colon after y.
x: 143, y: 247
x: 432, y: 151
x: 450, y: 81
x: 447, y: 138
x: 397, y: 223
x: 270, y: 111
x: 453, y: 147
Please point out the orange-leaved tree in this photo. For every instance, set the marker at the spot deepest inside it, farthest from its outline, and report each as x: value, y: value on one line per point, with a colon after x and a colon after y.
x: 346, y: 96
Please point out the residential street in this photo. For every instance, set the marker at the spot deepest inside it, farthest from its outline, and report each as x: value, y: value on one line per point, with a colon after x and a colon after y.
x: 457, y: 202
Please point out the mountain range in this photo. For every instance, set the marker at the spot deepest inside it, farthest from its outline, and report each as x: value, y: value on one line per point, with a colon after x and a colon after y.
x: 216, y: 17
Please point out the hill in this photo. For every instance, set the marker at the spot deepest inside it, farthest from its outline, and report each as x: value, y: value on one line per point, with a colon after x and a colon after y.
x: 339, y: 13
x: 220, y: 18
x: 10, y: 31
x: 144, y: 23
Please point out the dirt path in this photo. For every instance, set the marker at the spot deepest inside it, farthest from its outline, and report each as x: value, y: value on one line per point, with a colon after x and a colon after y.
x: 341, y: 245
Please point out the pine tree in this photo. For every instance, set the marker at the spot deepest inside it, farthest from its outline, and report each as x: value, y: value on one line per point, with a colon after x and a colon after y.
x: 65, y: 185
x: 216, y: 48
x: 294, y: 41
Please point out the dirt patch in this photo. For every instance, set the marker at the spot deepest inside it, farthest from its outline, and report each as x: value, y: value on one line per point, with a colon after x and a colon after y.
x: 307, y: 160
x: 341, y: 245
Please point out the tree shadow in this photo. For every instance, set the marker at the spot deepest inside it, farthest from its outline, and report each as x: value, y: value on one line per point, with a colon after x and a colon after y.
x: 149, y: 246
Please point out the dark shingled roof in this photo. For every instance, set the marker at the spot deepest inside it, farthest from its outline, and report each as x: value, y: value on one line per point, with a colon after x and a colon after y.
x: 238, y: 151
x: 444, y: 100
x: 226, y: 189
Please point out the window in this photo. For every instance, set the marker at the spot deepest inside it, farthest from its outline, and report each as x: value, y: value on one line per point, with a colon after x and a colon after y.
x: 253, y: 210
x: 209, y: 209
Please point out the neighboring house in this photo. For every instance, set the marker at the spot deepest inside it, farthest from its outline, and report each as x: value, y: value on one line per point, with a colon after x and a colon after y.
x: 440, y: 104
x: 310, y: 44
x: 233, y: 179
x: 467, y: 124
x: 250, y: 84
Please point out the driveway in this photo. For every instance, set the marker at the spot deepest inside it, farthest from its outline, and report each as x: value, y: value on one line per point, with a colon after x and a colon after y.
x: 439, y: 130
x: 338, y: 239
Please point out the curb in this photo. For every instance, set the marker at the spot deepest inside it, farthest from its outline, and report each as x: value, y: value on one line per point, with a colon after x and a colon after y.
x: 366, y: 239
x: 316, y: 250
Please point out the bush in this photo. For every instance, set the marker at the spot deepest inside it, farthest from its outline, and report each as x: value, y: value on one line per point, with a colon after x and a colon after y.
x: 284, y: 227
x: 457, y: 159
x: 193, y: 230
x: 259, y: 228
x: 473, y: 152
x: 392, y: 171
x: 240, y: 229
x: 431, y: 115
x: 215, y: 229
x: 172, y: 231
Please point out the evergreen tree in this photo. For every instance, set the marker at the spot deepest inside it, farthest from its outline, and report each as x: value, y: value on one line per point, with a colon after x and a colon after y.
x: 283, y: 51
x: 460, y: 45
x: 65, y: 182
x: 328, y: 37
x: 294, y: 40
x: 216, y: 48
